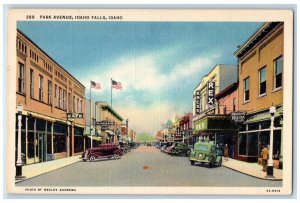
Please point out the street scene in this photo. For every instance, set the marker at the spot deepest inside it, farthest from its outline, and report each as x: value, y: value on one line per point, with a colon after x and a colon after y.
x: 149, y: 104
x: 146, y: 166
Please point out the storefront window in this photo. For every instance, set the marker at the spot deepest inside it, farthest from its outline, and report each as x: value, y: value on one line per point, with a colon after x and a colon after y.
x: 264, y: 138
x: 265, y: 124
x: 78, y: 144
x: 49, y: 144
x: 277, y: 143
x: 242, y: 144
x: 59, y: 143
x: 252, y: 144
x: 60, y: 137
x: 253, y: 126
x: 30, y: 141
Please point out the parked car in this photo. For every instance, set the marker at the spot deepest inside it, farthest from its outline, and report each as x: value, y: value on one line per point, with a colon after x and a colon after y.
x: 162, y: 149
x: 181, y: 149
x: 204, y: 152
x: 110, y: 150
x: 169, y: 149
x: 133, y: 145
x: 124, y: 147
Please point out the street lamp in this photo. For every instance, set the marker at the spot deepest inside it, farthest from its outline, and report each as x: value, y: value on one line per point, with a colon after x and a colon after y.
x: 270, y: 160
x: 19, y: 162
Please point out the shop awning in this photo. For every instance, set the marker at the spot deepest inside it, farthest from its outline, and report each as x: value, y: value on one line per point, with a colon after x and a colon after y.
x: 213, y: 124
x: 264, y: 116
x: 99, y: 139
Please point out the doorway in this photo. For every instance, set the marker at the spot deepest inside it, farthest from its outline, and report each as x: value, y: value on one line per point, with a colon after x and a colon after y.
x: 42, y: 146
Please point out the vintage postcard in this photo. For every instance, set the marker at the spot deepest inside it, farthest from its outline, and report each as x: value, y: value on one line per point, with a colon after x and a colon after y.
x: 149, y: 101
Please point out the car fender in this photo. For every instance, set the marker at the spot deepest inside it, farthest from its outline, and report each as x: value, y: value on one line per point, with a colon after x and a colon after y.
x: 93, y: 154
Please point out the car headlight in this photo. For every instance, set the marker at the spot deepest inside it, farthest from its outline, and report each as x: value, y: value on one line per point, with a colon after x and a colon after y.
x: 201, y: 156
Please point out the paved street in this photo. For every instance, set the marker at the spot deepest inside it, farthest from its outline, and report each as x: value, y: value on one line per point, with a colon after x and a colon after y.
x: 146, y: 166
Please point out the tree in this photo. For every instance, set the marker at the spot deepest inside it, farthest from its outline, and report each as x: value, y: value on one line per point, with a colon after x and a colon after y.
x: 145, y: 137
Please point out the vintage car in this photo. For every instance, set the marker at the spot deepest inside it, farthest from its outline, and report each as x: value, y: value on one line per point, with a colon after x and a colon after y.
x: 133, y: 145
x: 124, y: 147
x: 204, y: 152
x: 162, y: 149
x: 110, y: 150
x: 169, y: 149
x: 180, y: 149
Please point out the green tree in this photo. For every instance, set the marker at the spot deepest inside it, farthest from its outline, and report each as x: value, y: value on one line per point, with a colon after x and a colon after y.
x: 145, y: 137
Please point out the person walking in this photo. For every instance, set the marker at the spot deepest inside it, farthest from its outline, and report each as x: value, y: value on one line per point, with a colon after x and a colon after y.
x: 226, y: 152
x: 265, y: 156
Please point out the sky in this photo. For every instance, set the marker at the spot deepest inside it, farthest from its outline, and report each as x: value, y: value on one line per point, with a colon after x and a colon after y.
x: 158, y: 63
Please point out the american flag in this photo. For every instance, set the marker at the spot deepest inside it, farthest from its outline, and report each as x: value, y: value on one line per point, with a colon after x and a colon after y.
x: 116, y: 85
x: 95, y: 85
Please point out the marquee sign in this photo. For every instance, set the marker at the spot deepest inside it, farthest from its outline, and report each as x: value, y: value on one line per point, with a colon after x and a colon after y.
x: 211, y: 93
x: 197, y: 102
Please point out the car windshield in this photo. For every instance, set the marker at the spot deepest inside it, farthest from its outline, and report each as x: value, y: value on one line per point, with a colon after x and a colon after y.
x: 201, y: 147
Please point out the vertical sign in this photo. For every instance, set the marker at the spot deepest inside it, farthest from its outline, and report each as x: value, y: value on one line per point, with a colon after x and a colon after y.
x: 197, y: 102
x: 211, y: 93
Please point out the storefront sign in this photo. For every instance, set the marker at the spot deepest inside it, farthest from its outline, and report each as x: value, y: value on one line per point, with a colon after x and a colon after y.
x: 197, y: 102
x: 105, y: 123
x: 238, y: 117
x: 211, y: 93
x: 74, y: 115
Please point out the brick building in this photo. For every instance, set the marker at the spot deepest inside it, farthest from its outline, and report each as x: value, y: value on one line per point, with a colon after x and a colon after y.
x: 47, y: 92
x: 260, y: 87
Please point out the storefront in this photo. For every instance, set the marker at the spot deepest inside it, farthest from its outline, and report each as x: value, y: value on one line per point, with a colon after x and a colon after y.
x: 78, y: 140
x: 255, y: 134
x: 216, y: 129
x: 44, y: 138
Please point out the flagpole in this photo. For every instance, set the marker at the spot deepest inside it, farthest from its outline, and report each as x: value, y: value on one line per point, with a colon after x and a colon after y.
x: 111, y: 92
x: 91, y: 114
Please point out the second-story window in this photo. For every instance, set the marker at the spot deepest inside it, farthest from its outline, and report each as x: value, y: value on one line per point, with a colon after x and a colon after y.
x: 77, y: 105
x: 234, y: 104
x: 31, y: 83
x: 225, y: 110
x: 81, y: 106
x: 262, y: 81
x: 49, y: 92
x: 40, y: 88
x: 278, y: 64
x: 69, y: 102
x: 59, y: 98
x: 246, y: 89
x: 64, y: 100
x: 74, y: 104
x: 21, y: 79
x: 56, y: 96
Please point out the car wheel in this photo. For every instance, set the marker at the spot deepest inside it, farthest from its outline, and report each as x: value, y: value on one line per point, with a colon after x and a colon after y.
x: 220, y: 163
x: 92, y: 158
x: 192, y: 163
x: 116, y: 155
x: 211, y: 164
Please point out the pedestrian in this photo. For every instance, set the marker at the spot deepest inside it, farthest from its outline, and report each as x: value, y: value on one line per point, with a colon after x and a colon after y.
x: 265, y: 156
x: 226, y: 152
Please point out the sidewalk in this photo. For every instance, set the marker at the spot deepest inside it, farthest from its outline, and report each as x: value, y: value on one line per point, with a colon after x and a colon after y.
x: 33, y: 170
x: 251, y: 169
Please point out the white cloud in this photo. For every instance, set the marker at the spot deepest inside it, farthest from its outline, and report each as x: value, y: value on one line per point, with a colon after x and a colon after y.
x: 143, y: 74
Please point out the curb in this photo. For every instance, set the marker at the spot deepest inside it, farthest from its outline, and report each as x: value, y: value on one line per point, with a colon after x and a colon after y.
x: 270, y: 179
